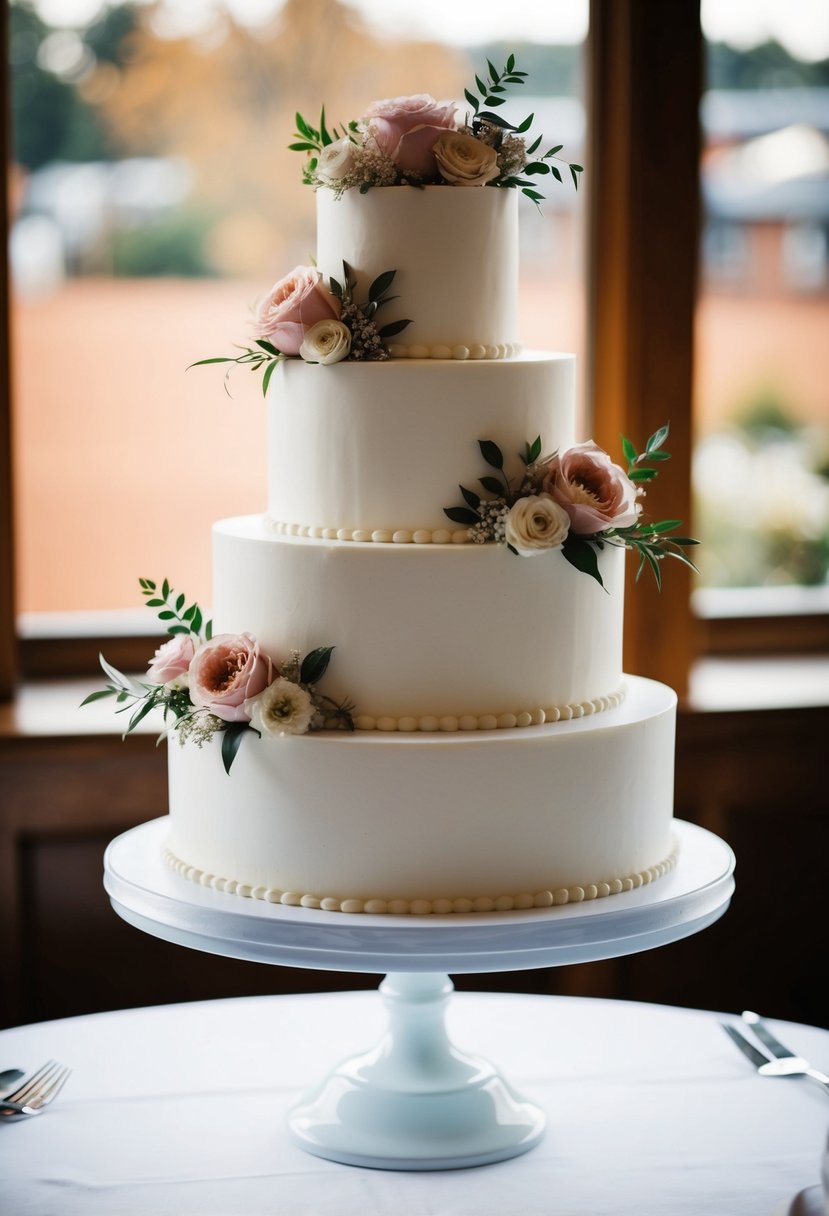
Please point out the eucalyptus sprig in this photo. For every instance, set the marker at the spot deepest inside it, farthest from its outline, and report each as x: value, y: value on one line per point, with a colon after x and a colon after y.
x: 491, y: 91
x: 266, y: 356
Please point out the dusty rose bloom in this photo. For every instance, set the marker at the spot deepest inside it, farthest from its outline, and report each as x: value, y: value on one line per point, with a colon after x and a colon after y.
x: 172, y: 660
x: 225, y: 672
x: 594, y: 491
x: 291, y: 307
x: 406, y: 128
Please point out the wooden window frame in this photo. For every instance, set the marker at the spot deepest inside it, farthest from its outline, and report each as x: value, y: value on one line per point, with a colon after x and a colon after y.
x: 645, y: 68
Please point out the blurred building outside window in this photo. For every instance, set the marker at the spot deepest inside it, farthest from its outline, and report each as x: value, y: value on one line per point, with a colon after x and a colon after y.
x: 154, y: 200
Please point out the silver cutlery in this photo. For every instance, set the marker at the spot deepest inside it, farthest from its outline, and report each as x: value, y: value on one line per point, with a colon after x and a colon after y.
x: 33, y: 1095
x: 776, y: 1060
x: 9, y: 1078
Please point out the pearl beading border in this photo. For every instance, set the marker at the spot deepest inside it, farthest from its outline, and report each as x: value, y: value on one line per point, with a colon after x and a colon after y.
x: 475, y: 351
x: 450, y: 723
x: 378, y: 536
x: 525, y: 901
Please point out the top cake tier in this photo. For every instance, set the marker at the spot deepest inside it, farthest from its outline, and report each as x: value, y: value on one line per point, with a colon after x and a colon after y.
x: 455, y: 252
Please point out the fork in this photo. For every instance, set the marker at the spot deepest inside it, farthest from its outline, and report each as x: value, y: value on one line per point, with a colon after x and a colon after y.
x: 33, y: 1095
x: 777, y: 1060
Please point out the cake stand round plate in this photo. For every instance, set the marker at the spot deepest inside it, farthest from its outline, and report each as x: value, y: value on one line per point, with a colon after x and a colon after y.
x: 415, y: 1101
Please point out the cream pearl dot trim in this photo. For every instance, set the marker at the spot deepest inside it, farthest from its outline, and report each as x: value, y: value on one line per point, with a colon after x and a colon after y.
x: 523, y: 902
x: 449, y: 723
x: 476, y: 350
x: 379, y: 536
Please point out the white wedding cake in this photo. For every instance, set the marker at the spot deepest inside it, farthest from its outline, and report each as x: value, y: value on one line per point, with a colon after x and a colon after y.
x: 459, y: 736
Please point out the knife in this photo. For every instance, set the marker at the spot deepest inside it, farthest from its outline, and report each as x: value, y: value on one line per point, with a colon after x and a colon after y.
x: 748, y: 1049
x: 765, y: 1036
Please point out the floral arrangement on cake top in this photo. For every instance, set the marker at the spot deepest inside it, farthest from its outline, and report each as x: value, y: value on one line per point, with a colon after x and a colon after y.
x: 301, y: 317
x: 419, y: 141
x: 224, y: 683
x: 575, y: 501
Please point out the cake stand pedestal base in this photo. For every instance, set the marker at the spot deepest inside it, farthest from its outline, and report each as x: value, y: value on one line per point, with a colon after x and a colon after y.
x: 415, y: 1102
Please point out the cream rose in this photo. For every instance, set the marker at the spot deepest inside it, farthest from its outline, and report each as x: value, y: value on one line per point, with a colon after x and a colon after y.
x: 594, y: 491
x: 283, y: 708
x: 326, y: 342
x: 405, y: 129
x: 536, y: 524
x: 171, y: 662
x: 335, y: 162
x: 291, y: 307
x: 225, y: 672
x: 464, y: 161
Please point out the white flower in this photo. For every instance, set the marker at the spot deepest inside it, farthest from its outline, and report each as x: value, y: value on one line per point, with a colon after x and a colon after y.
x: 335, y: 162
x: 465, y: 161
x: 326, y: 342
x: 536, y: 524
x: 282, y: 709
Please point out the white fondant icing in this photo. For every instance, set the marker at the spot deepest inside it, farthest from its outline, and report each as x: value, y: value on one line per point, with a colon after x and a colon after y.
x: 438, y: 816
x: 455, y: 253
x: 426, y: 631
x: 383, y: 446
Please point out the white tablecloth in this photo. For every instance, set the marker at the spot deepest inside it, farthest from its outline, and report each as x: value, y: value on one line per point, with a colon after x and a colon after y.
x: 180, y: 1109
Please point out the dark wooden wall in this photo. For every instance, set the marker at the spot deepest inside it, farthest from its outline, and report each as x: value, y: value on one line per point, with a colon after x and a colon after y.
x: 756, y: 779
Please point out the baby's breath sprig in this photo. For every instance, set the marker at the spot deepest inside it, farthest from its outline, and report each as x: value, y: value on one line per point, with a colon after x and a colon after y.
x: 493, y: 129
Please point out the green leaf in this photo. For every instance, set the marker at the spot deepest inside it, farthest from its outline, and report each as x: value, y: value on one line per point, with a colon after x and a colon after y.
x: 324, y: 133
x: 155, y: 603
x: 493, y: 75
x: 629, y: 451
x: 178, y: 629
x: 575, y: 176
x: 533, y: 194
x: 268, y: 346
x: 648, y: 557
x: 683, y: 540
x: 302, y: 147
x: 208, y: 631
x: 462, y: 515
x: 472, y: 99
x: 180, y: 602
x: 510, y: 63
x: 642, y: 474
x: 556, y: 172
x: 482, y: 89
x: 496, y: 121
x: 491, y: 453
x: 230, y: 742
x: 266, y: 379
x: 581, y: 554
x: 493, y: 485
x: 534, y: 146
x: 381, y: 284
x: 538, y: 167
x: 218, y: 359
x: 494, y: 101
x: 553, y: 151
x: 526, y: 124
x: 534, y: 450
x: 315, y: 664
x: 141, y: 712
x: 195, y: 624
x: 657, y: 439
x: 470, y: 497
x: 304, y: 129
x: 165, y: 589
x: 97, y: 696
x: 393, y: 327
x: 167, y: 615
x: 665, y: 525
x: 658, y: 455
x: 335, y: 287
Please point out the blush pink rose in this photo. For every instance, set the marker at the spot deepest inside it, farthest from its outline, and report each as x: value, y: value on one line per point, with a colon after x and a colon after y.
x: 406, y: 128
x: 225, y: 672
x: 594, y: 491
x: 172, y: 660
x: 291, y: 307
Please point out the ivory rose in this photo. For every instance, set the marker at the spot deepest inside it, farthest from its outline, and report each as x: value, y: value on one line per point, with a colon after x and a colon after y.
x: 326, y: 342
x: 594, y: 491
x: 335, y: 162
x: 405, y: 129
x: 283, y: 708
x: 225, y: 672
x: 171, y: 661
x: 291, y: 307
x: 536, y: 524
x: 464, y: 161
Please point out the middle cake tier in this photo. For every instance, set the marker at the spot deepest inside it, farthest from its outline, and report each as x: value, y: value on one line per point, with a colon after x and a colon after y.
x: 428, y: 637
x: 382, y: 447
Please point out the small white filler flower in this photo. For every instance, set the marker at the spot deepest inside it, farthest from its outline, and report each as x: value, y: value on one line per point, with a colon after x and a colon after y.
x: 282, y: 709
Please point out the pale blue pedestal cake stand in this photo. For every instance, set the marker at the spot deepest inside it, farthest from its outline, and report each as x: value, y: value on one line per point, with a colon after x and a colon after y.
x: 416, y: 1102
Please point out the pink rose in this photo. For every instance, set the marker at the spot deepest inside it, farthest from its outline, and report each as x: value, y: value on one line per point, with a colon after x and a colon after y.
x: 406, y: 128
x: 293, y: 305
x: 594, y: 491
x: 172, y: 660
x: 225, y: 672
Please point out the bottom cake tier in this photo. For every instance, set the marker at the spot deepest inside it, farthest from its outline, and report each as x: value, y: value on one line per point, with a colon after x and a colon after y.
x: 432, y: 823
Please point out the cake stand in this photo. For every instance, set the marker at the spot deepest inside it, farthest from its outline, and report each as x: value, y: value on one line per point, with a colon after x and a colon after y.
x: 415, y: 1101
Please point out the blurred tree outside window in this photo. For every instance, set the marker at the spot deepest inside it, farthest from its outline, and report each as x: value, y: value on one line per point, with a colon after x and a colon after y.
x: 761, y: 467
x: 154, y: 199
